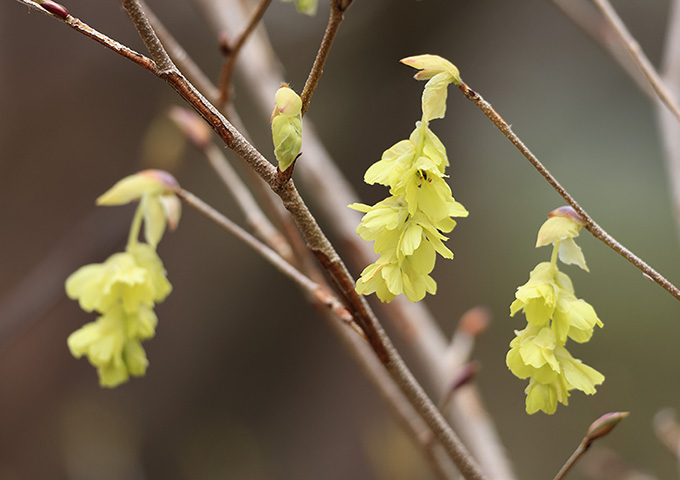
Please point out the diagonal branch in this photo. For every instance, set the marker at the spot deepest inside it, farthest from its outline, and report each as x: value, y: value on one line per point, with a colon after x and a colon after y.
x: 597, y: 231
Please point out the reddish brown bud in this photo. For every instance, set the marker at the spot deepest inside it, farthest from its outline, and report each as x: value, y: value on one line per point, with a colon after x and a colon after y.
x: 55, y: 9
x: 567, y: 212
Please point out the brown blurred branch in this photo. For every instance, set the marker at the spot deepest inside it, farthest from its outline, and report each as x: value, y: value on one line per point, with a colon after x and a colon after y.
x: 638, y: 56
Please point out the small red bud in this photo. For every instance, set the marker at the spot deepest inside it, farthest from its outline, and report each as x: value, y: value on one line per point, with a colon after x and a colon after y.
x: 55, y: 9
x: 567, y: 212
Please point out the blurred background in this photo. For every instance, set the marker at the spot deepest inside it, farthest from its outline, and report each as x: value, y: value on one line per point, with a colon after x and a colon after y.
x: 245, y: 380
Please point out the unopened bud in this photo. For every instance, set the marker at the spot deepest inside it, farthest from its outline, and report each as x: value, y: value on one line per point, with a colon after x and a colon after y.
x: 54, y: 8
x: 603, y: 425
x: 135, y: 186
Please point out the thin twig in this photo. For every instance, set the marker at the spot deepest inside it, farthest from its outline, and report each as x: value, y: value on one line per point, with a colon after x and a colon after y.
x: 578, y: 453
x: 334, y: 21
x: 590, y: 224
x: 638, y: 56
x: 228, y: 66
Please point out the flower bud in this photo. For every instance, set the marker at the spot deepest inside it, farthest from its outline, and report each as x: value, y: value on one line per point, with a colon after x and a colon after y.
x: 54, y: 8
x: 603, y: 425
x: 287, y: 127
x: 133, y: 187
x: 431, y: 65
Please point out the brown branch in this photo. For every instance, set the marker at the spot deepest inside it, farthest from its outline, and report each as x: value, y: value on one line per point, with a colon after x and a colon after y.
x: 228, y: 66
x: 334, y: 21
x: 597, y: 231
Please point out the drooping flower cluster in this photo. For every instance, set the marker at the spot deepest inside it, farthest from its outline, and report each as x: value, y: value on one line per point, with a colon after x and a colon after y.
x: 408, y: 227
x: 124, y: 289
x: 554, y: 314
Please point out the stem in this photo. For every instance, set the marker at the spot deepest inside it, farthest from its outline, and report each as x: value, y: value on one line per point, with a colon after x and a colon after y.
x: 553, y: 255
x: 578, y: 453
x: 136, y: 226
x: 597, y: 231
x: 228, y: 66
x: 334, y: 21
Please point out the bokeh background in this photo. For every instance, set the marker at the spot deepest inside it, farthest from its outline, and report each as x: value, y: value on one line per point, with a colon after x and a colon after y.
x: 246, y: 381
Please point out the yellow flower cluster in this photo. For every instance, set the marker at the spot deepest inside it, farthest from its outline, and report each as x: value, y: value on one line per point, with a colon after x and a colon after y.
x: 553, y: 314
x: 124, y: 289
x: 408, y: 227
